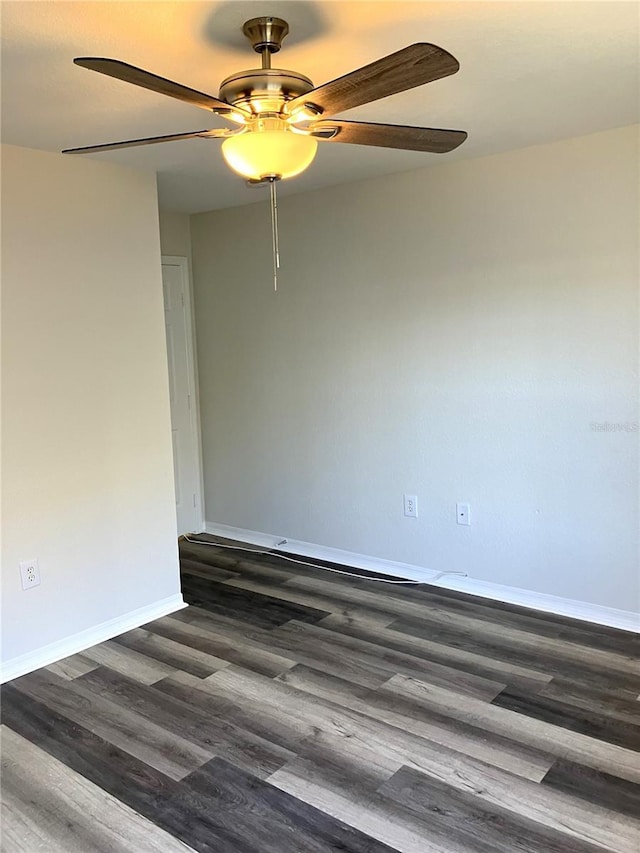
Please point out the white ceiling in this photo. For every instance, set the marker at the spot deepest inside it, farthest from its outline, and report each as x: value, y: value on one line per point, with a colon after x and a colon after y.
x: 531, y: 72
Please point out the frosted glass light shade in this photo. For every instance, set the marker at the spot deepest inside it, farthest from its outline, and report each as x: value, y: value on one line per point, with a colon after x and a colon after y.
x: 269, y: 149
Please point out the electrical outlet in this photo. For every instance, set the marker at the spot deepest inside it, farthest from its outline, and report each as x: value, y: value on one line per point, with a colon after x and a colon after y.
x: 411, y: 506
x: 29, y: 573
x: 463, y: 514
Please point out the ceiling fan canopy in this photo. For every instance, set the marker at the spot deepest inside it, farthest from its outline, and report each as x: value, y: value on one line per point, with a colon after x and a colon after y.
x: 279, y: 115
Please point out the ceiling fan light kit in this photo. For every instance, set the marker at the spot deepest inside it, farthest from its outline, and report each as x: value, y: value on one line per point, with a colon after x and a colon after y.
x: 271, y: 150
x: 280, y: 115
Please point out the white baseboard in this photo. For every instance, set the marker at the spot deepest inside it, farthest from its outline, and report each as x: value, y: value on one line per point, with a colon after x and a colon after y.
x: 53, y: 652
x: 626, y: 620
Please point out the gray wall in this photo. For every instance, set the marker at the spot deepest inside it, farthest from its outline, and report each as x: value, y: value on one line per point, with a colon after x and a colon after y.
x: 175, y: 236
x: 87, y: 485
x: 458, y: 332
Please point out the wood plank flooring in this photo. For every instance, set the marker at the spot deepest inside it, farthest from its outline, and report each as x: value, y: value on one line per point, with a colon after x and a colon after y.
x: 293, y: 710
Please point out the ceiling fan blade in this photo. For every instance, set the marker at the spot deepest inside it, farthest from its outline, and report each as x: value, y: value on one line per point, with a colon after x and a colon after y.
x: 388, y: 135
x: 139, y: 77
x: 150, y: 140
x: 412, y: 66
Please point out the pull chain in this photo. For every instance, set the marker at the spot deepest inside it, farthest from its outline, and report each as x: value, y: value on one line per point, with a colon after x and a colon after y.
x: 274, y: 232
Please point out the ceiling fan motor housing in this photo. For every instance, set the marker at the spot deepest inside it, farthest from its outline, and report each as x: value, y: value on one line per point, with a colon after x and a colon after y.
x: 262, y: 90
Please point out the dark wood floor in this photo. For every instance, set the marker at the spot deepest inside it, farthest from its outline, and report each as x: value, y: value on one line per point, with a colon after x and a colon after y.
x: 291, y: 710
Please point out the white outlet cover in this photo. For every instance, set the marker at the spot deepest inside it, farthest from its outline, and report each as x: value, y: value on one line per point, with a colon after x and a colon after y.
x: 29, y: 574
x: 411, y: 506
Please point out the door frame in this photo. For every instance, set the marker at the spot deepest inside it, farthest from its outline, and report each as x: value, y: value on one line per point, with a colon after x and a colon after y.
x: 192, y: 370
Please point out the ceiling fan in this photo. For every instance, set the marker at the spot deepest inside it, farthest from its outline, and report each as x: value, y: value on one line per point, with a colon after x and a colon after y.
x: 280, y: 116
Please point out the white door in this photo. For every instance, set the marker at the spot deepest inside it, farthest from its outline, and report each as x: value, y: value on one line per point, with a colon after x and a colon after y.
x: 186, y: 458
